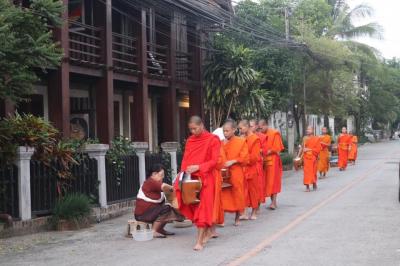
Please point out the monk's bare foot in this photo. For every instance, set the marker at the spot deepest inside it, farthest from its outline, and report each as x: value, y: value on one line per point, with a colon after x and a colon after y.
x: 198, y: 247
x: 214, y: 235
x: 307, y: 190
x: 314, y: 187
x: 253, y: 217
x: 220, y: 225
x: 237, y: 222
x: 272, y: 207
x: 207, y: 237
x: 243, y: 217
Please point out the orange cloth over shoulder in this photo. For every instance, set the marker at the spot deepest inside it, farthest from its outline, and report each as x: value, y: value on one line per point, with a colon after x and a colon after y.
x: 260, y: 167
x: 353, y: 149
x: 233, y: 198
x: 310, y: 159
x: 323, y: 161
x: 202, y: 150
x: 218, y: 211
x: 344, y: 142
x: 273, y: 164
x: 251, y: 171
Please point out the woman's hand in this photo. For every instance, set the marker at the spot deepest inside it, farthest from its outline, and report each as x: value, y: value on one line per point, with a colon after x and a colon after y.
x: 192, y: 168
x: 167, y: 187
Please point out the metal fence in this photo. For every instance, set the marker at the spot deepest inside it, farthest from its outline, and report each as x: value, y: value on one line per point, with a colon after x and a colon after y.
x: 123, y: 185
x: 44, y: 180
x: 9, y: 190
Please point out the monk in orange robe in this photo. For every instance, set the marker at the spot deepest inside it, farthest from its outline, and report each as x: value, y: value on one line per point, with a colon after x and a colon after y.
x: 218, y: 211
x: 260, y: 164
x: 200, y: 159
x: 250, y: 170
x: 310, y: 149
x: 344, y: 142
x: 323, y: 161
x: 273, y: 163
x: 353, y: 150
x: 236, y: 152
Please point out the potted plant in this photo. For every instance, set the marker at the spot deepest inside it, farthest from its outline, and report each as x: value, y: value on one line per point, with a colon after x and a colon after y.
x: 72, y: 212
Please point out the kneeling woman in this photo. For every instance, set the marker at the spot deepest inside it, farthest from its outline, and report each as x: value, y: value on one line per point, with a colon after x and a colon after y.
x: 150, y: 203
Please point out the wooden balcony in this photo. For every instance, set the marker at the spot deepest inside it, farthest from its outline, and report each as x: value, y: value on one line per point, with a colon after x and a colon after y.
x: 124, y: 53
x: 85, y: 45
x: 157, y: 58
x: 184, y: 66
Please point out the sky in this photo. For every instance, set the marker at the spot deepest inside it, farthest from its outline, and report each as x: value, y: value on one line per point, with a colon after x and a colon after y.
x: 388, y: 16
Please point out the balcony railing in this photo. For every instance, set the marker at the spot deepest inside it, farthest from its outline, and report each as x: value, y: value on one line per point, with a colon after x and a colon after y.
x: 184, y: 65
x: 157, y: 59
x: 124, y: 53
x: 85, y: 45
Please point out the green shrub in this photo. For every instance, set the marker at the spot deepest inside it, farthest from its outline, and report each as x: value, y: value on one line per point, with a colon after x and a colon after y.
x: 72, y: 207
x: 287, y: 159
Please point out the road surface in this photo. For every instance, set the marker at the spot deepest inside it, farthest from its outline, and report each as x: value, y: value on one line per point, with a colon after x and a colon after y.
x: 353, y: 219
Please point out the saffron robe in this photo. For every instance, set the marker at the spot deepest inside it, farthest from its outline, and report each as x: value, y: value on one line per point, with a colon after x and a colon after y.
x: 218, y: 211
x: 353, y: 149
x: 323, y: 161
x: 260, y: 167
x: 251, y: 171
x: 310, y: 159
x: 202, y: 150
x: 344, y: 142
x: 273, y: 164
x: 233, y: 198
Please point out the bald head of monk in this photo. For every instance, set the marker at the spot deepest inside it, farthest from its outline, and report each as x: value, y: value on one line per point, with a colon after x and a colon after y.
x: 344, y: 130
x: 244, y: 127
x: 196, y: 126
x: 229, y: 129
x: 253, y: 125
x: 309, y: 131
x: 324, y: 130
x: 263, y: 125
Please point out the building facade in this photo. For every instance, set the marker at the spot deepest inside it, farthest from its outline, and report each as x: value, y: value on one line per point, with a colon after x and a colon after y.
x: 130, y: 68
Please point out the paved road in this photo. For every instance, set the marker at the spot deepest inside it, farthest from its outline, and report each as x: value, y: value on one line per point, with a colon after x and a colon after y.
x: 353, y: 219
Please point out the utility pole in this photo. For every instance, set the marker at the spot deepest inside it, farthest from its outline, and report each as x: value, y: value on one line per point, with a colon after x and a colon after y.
x: 289, y: 115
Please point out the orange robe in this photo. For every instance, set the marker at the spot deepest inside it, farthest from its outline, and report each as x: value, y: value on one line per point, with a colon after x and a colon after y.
x: 218, y: 211
x: 260, y: 168
x: 273, y: 164
x: 202, y: 150
x: 353, y: 149
x: 310, y: 159
x: 323, y: 161
x: 344, y: 142
x: 233, y: 198
x: 251, y: 171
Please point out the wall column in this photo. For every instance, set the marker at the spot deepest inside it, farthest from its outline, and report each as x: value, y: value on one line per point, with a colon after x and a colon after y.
x: 140, y: 118
x: 140, y: 149
x: 105, y: 88
x: 58, y: 81
x: 172, y: 148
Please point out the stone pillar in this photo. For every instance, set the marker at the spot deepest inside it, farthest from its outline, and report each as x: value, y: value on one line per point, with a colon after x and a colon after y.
x: 140, y: 149
x: 332, y: 125
x: 350, y: 124
x: 24, y: 155
x: 172, y: 148
x: 98, y: 152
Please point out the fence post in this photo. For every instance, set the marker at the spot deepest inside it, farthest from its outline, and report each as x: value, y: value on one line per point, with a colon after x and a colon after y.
x: 24, y: 155
x: 172, y: 148
x: 140, y: 149
x: 98, y: 152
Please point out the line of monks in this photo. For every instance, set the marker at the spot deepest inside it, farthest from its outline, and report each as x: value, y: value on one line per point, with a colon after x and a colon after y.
x: 240, y: 172
x: 315, y: 153
x: 253, y: 170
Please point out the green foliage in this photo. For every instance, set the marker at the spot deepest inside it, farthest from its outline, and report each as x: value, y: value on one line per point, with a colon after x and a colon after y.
x: 26, y: 45
x: 286, y: 158
x: 73, y: 207
x: 120, y: 146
